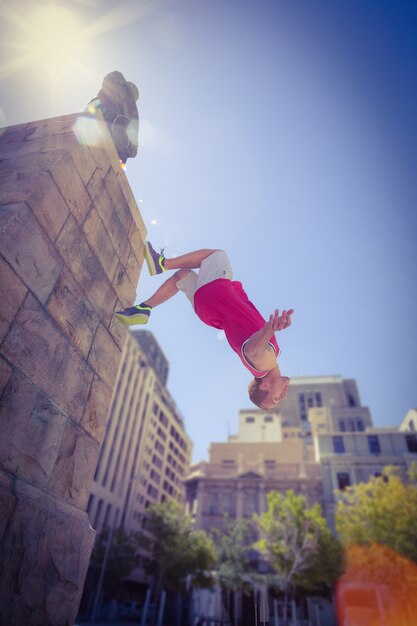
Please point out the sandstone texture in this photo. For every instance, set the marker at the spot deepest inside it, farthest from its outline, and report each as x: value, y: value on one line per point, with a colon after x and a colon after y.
x: 71, y: 250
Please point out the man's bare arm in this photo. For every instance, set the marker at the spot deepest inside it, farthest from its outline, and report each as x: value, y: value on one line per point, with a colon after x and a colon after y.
x: 257, y: 349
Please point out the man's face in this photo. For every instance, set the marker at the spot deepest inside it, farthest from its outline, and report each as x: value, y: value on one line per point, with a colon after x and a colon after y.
x: 277, y: 391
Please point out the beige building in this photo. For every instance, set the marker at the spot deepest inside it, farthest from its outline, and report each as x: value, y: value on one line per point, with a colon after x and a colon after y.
x: 146, y: 452
x: 339, y: 396
x: 274, y: 450
x: 241, y: 472
x: 351, y: 458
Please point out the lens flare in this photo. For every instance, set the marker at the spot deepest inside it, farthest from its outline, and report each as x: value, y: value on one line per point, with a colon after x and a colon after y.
x: 378, y: 587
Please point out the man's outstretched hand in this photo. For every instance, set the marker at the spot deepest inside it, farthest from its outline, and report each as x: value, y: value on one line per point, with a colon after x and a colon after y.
x: 279, y: 322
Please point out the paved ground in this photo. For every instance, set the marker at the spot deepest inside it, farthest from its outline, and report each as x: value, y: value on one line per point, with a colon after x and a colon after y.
x: 107, y: 623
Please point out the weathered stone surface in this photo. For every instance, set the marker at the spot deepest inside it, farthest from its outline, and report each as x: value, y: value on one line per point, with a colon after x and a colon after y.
x: 66, y: 249
x: 133, y: 267
x: 86, y: 269
x: 60, y: 165
x: 71, y: 186
x: 79, y: 154
x: 124, y: 288
x: 27, y: 249
x: 73, y: 312
x: 16, y: 134
x: 12, y: 293
x: 105, y: 356
x: 118, y: 199
x: 53, y: 127
x: 46, y: 357
x: 19, y: 149
x: 116, y: 229
x: 5, y: 373
x: 44, y: 553
x: 31, y: 429
x: 118, y: 330
x: 128, y: 193
x: 96, y: 410
x: 99, y: 240
x: 136, y: 240
x: 77, y: 459
x: 41, y: 195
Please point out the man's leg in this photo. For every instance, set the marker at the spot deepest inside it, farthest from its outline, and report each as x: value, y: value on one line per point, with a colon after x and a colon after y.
x: 167, y: 290
x: 191, y: 260
x: 140, y: 313
x: 157, y: 263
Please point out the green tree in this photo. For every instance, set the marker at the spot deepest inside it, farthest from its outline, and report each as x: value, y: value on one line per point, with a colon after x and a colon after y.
x: 383, y: 510
x: 233, y: 567
x: 121, y: 558
x: 299, y: 546
x: 179, y: 552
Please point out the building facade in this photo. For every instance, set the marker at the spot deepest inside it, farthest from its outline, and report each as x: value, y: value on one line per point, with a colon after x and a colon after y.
x: 319, y: 441
x: 274, y: 451
x: 146, y: 453
x: 241, y: 472
x: 355, y: 457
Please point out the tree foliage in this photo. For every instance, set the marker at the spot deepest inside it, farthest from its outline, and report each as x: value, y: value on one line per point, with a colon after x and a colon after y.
x: 121, y: 558
x: 383, y: 510
x: 178, y: 550
x: 233, y: 567
x: 298, y: 544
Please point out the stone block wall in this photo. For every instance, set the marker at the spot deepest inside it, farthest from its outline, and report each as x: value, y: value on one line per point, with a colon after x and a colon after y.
x: 71, y: 250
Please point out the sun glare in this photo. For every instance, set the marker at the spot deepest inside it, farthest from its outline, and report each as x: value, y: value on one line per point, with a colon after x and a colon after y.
x: 55, y: 37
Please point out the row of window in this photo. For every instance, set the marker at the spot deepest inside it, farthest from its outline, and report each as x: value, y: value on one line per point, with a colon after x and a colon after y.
x: 351, y: 425
x: 251, y: 420
x: 373, y: 444
x: 177, y: 453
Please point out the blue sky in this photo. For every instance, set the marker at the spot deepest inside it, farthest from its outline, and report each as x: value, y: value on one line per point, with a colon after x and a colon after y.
x: 283, y: 132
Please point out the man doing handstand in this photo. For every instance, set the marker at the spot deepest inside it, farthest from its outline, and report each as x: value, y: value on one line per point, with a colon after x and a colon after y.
x: 222, y: 303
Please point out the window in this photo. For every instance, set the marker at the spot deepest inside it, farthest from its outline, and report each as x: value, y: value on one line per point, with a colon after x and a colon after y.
x: 250, y: 420
x: 318, y: 398
x: 373, y: 443
x: 411, y: 442
x: 351, y: 425
x: 268, y: 418
x: 338, y: 445
x: 251, y: 504
x: 343, y: 480
x: 342, y: 426
x: 228, y: 503
x: 214, y: 504
x: 351, y: 399
x: 360, y: 425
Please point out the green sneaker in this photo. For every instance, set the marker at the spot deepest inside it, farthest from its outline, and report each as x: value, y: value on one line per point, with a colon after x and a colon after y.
x: 155, y: 260
x: 138, y: 314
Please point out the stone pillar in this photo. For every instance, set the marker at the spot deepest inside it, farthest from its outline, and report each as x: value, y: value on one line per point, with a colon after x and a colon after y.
x: 71, y: 250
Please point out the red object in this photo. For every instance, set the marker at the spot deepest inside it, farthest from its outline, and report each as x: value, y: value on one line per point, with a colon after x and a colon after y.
x: 224, y: 304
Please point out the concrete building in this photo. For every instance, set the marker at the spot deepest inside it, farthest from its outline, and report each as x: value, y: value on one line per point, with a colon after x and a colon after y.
x: 339, y: 396
x: 274, y: 450
x: 320, y: 439
x: 241, y: 472
x: 410, y: 421
x: 351, y: 458
x: 146, y: 452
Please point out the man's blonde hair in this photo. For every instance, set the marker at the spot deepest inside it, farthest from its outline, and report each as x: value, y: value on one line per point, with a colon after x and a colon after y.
x: 256, y: 394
